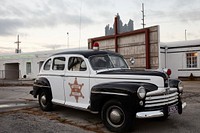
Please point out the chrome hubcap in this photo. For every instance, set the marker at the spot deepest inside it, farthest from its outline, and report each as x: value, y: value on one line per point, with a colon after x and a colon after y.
x: 115, y: 116
x: 43, y: 100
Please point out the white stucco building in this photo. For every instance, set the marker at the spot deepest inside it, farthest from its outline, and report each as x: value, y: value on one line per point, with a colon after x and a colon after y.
x: 182, y: 57
x: 24, y: 65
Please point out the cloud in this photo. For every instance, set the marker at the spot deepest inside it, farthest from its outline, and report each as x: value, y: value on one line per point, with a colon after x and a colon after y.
x: 37, y: 14
x: 180, y: 4
x: 95, y: 4
x: 6, y: 50
x: 185, y: 12
x: 53, y: 46
x: 9, y: 26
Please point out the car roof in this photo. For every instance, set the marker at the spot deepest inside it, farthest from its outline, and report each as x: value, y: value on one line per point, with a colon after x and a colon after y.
x: 88, y: 53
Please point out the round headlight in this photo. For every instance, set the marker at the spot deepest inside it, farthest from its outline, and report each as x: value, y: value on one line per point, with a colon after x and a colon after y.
x: 180, y: 87
x: 141, y: 92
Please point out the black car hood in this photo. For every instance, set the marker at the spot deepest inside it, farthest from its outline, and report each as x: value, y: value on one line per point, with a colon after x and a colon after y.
x: 134, y: 72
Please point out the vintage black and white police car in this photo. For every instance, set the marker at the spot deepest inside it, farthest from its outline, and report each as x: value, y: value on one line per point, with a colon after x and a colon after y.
x: 102, y: 82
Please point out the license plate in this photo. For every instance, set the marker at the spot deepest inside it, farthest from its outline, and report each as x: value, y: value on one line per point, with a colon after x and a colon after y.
x: 172, y: 109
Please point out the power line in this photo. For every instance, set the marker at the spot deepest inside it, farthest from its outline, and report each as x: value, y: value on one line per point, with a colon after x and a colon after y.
x: 185, y: 35
x: 80, y: 22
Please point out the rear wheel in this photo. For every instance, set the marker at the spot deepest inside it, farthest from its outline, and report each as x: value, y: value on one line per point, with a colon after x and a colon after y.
x: 45, y: 100
x: 115, y: 116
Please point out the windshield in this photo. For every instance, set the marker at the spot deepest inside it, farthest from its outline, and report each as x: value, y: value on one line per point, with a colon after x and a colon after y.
x: 99, y: 62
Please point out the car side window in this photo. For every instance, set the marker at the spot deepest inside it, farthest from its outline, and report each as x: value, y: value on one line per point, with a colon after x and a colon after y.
x: 58, y: 63
x: 76, y: 64
x: 47, y: 65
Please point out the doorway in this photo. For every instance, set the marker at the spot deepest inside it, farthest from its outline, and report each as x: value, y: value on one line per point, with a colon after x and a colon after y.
x: 12, y: 71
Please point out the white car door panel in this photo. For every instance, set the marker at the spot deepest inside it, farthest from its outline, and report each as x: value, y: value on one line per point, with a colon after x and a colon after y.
x: 76, y: 84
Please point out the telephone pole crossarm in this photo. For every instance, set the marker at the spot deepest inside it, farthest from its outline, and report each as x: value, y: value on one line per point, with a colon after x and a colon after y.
x: 18, y: 42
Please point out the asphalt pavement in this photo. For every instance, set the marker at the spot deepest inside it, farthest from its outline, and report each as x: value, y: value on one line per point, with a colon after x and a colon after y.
x: 20, y: 112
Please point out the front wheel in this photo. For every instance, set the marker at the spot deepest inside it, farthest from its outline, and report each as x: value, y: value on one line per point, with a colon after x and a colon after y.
x: 115, y: 116
x: 45, y: 100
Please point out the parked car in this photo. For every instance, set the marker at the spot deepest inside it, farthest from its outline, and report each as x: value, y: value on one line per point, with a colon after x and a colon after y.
x: 102, y: 82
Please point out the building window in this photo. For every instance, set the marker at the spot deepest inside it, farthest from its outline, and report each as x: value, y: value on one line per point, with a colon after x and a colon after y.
x: 191, y: 60
x: 28, y: 67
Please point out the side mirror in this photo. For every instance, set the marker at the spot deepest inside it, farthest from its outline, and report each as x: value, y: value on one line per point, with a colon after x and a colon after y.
x: 132, y: 60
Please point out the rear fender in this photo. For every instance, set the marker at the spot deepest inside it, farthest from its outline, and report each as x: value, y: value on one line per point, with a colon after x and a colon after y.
x: 38, y: 85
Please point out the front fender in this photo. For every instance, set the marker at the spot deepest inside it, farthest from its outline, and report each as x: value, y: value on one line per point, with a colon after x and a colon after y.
x: 174, y: 82
x: 126, y: 92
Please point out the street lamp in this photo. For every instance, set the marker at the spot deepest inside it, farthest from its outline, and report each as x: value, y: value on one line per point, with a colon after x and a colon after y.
x: 67, y: 39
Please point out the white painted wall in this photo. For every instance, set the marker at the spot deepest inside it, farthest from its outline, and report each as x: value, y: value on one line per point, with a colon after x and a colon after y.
x: 162, y: 59
x: 34, y: 58
x: 175, y: 62
x: 176, y: 58
x: 22, y: 60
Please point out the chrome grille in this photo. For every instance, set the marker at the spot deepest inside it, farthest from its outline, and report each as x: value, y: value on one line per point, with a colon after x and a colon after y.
x: 160, y: 100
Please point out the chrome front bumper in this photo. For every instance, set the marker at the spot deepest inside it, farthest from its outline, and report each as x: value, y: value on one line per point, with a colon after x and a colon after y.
x: 153, y: 114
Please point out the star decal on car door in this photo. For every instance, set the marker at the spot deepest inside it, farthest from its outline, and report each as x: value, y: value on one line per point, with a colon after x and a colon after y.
x: 76, y: 89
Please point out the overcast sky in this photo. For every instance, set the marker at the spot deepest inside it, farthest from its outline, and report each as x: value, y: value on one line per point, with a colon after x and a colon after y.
x: 44, y: 24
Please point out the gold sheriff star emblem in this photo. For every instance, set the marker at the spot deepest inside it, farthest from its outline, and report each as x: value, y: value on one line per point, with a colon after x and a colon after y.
x: 76, y: 90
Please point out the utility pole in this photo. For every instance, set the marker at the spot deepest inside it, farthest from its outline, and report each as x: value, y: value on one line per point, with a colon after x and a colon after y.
x: 143, y: 24
x: 18, y: 42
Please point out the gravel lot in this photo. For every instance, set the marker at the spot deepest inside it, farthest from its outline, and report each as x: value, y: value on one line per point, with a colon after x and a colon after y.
x: 62, y: 119
x: 22, y: 122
